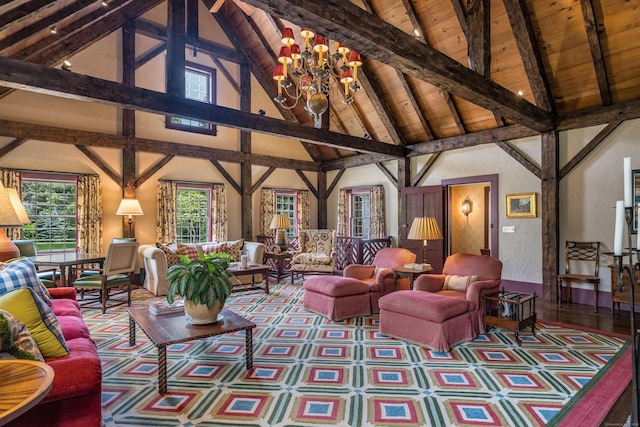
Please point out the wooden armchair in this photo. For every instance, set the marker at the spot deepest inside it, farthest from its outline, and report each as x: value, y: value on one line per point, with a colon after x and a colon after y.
x: 317, y: 253
x: 586, y: 257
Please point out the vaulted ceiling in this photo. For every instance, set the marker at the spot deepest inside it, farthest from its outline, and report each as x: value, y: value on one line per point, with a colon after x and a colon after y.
x: 436, y: 75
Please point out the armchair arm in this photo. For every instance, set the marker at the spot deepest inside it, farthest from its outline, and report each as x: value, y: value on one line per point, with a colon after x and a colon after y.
x: 476, y: 290
x: 359, y: 271
x: 429, y: 282
x: 67, y: 292
x: 383, y: 273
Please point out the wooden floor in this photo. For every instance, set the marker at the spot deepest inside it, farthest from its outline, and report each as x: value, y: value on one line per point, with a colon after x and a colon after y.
x: 584, y: 315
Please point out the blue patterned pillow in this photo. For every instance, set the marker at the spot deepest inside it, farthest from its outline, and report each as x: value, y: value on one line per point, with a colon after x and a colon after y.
x: 22, y: 273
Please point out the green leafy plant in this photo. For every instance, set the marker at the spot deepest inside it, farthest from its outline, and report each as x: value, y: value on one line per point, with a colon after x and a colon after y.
x: 202, y: 280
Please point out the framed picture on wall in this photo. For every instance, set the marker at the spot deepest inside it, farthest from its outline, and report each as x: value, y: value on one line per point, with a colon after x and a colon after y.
x: 636, y: 199
x: 521, y: 205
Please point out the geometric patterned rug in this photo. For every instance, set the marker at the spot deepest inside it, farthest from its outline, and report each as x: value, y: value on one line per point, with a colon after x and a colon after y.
x: 310, y: 371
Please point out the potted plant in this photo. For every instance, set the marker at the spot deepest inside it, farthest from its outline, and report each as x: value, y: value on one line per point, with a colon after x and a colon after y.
x: 204, y: 283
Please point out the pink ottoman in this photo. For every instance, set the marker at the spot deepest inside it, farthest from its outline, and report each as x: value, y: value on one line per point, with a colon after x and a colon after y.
x: 435, y: 321
x: 337, y: 297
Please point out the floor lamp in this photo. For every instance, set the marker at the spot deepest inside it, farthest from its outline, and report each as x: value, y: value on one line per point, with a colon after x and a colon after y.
x: 12, y: 215
x: 129, y: 207
x: 424, y: 228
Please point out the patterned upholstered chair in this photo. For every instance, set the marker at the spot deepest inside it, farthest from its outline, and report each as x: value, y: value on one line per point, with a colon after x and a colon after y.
x: 317, y: 253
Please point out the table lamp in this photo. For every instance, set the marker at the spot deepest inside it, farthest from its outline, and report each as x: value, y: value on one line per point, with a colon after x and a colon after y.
x: 280, y: 222
x: 424, y: 228
x: 12, y: 215
x: 129, y: 207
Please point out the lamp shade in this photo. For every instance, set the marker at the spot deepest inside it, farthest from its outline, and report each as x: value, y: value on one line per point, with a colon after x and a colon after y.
x: 129, y: 207
x: 424, y: 228
x: 8, y: 215
x: 280, y: 221
x: 17, y: 205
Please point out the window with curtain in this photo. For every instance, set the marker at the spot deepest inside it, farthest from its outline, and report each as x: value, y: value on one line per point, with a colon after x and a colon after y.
x: 294, y: 203
x: 361, y: 212
x: 50, y: 202
x: 200, y: 85
x: 191, y: 212
x: 287, y: 203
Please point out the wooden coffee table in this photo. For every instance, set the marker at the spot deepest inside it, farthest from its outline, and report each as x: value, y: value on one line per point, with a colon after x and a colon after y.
x: 252, y: 269
x: 166, y: 329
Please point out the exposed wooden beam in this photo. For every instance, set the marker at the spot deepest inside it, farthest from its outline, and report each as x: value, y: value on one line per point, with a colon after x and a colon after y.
x: 472, y: 139
x: 622, y: 111
x: 519, y: 158
x: 478, y: 38
x: 335, y: 181
x: 84, y: 31
x: 226, y: 175
x: 41, y: 79
x: 144, y: 176
x: 96, y: 139
x: 424, y: 169
x: 596, y: 51
x: 587, y: 149
x: 461, y: 14
x: 380, y: 103
x: 354, y: 161
x: 22, y: 12
x: 12, y: 146
x: 308, y: 183
x: 388, y: 174
x: 103, y: 166
x: 262, y: 179
x: 43, y: 23
x: 550, y: 214
x: 383, y: 42
x: 159, y: 32
x: 176, y: 35
x: 150, y: 54
x: 530, y: 53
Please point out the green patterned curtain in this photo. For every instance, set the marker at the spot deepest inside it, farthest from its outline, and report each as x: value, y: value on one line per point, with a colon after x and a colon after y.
x: 304, y: 210
x: 343, y: 215
x: 267, y: 209
x: 89, y: 214
x: 11, y: 179
x: 376, y: 194
x: 218, y: 213
x: 166, y: 221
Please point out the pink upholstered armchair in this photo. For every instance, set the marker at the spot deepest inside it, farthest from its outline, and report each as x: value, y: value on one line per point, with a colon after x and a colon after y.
x: 477, y: 275
x: 379, y: 275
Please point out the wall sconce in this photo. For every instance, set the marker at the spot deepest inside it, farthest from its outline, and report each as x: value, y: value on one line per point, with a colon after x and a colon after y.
x: 66, y: 65
x: 467, y: 207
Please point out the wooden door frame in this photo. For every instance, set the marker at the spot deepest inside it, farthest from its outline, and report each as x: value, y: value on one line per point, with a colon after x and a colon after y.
x: 492, y: 180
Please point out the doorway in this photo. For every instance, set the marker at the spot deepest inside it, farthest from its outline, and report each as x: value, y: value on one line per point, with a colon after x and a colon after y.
x: 472, y: 215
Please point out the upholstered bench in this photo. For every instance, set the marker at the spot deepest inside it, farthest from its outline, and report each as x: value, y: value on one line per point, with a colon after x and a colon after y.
x: 337, y: 297
x: 435, y: 321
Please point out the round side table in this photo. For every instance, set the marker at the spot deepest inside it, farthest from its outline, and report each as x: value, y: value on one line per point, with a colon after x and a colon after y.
x: 23, y: 383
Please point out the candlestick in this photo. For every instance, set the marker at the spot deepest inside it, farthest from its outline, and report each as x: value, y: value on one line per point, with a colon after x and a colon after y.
x: 619, y: 226
x: 628, y: 195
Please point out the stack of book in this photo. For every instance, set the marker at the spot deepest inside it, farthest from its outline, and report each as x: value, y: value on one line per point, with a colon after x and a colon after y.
x: 166, y: 308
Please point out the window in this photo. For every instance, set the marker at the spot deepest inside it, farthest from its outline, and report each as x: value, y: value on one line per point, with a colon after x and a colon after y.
x: 193, y: 218
x: 287, y: 203
x: 200, y: 84
x: 360, y: 213
x: 50, y: 202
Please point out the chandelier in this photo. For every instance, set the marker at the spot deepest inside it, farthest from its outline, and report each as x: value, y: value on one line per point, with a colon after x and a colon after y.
x: 314, y: 68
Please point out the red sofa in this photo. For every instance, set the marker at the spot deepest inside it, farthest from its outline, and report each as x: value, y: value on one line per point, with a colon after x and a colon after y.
x: 75, y: 396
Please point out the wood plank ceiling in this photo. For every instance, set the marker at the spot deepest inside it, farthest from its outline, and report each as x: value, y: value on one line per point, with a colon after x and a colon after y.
x: 437, y: 74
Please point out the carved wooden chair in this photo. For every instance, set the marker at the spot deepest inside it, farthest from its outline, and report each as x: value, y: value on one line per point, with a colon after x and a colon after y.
x: 582, y: 264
